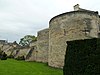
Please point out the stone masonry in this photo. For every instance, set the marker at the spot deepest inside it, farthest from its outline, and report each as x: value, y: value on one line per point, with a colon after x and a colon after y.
x: 39, y: 49
x: 22, y: 52
x: 74, y: 25
x: 8, y: 48
x: 42, y: 45
x: 32, y: 55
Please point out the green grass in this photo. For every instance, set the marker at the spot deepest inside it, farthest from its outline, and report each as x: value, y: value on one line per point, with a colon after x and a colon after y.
x: 14, y: 67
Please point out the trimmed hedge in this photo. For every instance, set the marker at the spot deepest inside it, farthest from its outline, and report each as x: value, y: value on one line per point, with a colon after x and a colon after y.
x: 82, y: 57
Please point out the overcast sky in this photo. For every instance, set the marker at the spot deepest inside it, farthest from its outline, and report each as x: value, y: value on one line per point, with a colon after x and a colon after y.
x: 21, y: 17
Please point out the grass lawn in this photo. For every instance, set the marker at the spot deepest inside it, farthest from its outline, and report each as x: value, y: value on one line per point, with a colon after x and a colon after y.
x: 14, y: 67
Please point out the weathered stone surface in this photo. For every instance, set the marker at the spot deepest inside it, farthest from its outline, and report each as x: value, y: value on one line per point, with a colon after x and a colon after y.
x: 32, y: 55
x: 39, y: 49
x: 22, y: 52
x: 15, y: 52
x: 51, y: 43
x: 66, y: 27
x: 8, y: 49
x: 42, y: 45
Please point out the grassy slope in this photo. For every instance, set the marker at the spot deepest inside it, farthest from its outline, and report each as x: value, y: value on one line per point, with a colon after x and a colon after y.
x: 14, y: 67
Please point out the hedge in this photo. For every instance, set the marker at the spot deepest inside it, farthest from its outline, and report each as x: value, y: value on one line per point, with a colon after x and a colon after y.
x: 82, y: 57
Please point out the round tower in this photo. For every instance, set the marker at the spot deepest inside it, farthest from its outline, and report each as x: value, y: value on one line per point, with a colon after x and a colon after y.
x: 74, y: 25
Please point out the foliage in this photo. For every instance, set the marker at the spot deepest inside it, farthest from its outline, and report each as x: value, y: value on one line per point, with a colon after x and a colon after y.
x: 14, y: 67
x: 3, y: 55
x: 82, y: 57
x: 26, y: 40
x: 20, y: 58
x: 10, y: 56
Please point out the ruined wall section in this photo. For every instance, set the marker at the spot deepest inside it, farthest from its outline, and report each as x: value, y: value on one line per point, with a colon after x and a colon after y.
x: 7, y: 48
x: 99, y: 27
x: 42, y: 45
x: 66, y: 27
x: 1, y: 45
x: 32, y: 55
x: 15, y: 52
x: 22, y: 52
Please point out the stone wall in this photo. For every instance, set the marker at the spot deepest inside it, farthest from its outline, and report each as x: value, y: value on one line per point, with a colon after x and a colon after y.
x: 32, y: 55
x: 1, y: 45
x: 43, y: 45
x: 99, y: 29
x: 66, y: 27
x: 15, y: 52
x: 7, y: 48
x: 22, y: 52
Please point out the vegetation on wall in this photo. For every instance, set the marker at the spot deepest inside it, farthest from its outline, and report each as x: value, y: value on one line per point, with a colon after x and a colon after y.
x: 82, y: 57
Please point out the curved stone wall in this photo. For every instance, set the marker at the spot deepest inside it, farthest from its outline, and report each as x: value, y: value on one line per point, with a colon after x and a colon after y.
x: 66, y: 27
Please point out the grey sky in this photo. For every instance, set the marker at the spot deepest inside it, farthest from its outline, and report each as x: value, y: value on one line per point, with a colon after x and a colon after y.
x: 22, y: 17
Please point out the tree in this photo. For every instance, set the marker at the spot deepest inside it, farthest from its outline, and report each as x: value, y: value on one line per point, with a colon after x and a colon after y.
x: 26, y: 40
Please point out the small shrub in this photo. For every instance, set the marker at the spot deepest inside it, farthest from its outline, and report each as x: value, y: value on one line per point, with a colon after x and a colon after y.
x: 20, y: 58
x: 3, y: 56
x: 10, y: 56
